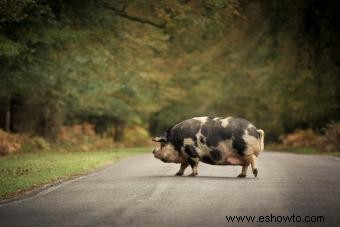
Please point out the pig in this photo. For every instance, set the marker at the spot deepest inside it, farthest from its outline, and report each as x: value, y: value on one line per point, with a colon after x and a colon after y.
x: 215, y: 141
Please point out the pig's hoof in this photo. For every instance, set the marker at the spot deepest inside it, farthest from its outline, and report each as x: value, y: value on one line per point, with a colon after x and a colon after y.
x: 241, y: 175
x: 179, y: 174
x: 192, y: 175
x: 255, y: 172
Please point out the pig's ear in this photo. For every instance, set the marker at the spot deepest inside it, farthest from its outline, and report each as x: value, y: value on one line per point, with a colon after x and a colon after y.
x: 159, y: 139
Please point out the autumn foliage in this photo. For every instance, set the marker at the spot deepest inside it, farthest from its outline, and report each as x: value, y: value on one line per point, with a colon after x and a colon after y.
x: 329, y: 140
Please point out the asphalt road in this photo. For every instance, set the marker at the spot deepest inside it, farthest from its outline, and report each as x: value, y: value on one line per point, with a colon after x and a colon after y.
x: 142, y: 191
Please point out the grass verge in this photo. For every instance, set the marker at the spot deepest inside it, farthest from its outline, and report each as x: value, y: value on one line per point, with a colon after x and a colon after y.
x: 19, y: 173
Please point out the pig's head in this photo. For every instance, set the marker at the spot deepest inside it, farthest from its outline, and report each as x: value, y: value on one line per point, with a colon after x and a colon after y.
x: 166, y: 152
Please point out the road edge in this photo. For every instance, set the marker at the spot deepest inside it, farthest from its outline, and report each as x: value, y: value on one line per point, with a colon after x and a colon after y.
x: 50, y: 186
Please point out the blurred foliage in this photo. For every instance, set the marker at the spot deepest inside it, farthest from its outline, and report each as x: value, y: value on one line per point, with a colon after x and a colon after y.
x: 153, y: 63
x: 79, y: 137
x: 136, y: 136
x: 328, y: 141
x: 301, y: 138
x: 34, y: 144
x: 9, y: 143
x: 332, y: 136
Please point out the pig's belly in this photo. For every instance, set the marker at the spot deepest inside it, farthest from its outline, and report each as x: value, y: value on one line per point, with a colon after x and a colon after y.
x: 233, y: 160
x: 228, y: 157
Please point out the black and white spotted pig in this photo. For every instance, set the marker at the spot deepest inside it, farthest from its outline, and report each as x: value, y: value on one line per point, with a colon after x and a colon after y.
x: 216, y: 141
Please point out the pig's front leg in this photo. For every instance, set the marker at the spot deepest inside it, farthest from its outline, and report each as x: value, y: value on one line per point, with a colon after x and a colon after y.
x: 184, y: 165
x: 193, y: 163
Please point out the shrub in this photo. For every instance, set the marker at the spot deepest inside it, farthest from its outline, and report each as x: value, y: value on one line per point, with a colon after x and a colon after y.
x: 331, y: 139
x: 301, y: 138
x: 136, y: 136
x: 9, y: 143
x: 81, y: 137
x: 32, y: 144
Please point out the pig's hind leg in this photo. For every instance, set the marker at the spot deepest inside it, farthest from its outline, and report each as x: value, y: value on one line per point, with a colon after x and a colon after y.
x: 244, y: 162
x: 193, y: 163
x: 249, y: 159
x: 254, y: 165
x: 184, y: 165
x: 244, y: 170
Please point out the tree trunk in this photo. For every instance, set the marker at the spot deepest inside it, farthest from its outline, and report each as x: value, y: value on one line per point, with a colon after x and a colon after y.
x: 119, y: 126
x: 5, y: 114
x: 8, y: 121
x: 52, y: 121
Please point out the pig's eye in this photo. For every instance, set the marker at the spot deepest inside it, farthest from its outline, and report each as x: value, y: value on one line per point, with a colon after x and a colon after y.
x: 162, y: 145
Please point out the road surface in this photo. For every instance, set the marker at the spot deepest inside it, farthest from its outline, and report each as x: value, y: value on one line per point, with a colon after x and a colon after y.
x: 142, y: 191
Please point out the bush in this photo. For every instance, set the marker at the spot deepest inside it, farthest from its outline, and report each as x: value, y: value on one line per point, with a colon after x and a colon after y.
x: 81, y: 137
x: 301, y: 138
x: 9, y: 143
x: 32, y: 144
x: 136, y: 136
x: 331, y: 139
x: 16, y: 143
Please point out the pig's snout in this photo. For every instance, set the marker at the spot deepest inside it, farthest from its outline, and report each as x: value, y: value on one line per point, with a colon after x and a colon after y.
x: 153, y: 151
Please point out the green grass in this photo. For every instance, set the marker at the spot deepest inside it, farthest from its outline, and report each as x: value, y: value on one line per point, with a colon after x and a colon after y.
x: 22, y: 172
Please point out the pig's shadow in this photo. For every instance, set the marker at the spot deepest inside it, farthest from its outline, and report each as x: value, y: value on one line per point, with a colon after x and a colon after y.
x: 205, y: 177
